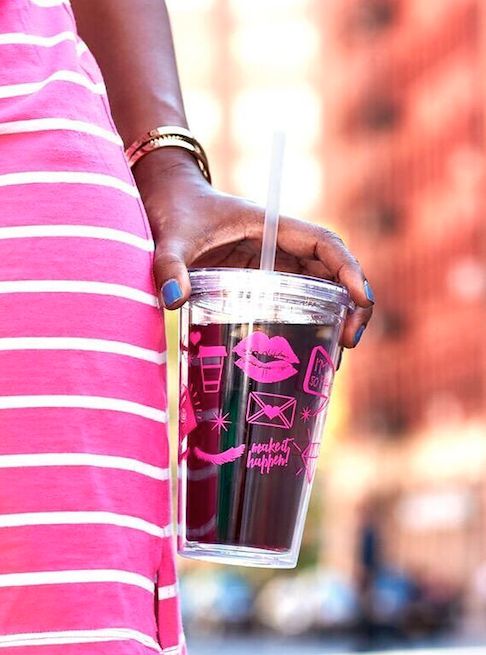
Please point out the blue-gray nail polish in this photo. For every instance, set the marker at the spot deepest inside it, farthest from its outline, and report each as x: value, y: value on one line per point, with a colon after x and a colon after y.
x: 369, y: 291
x: 171, y: 292
x: 359, y: 334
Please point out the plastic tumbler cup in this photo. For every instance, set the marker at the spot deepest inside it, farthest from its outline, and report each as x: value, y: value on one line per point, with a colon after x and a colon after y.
x: 258, y: 356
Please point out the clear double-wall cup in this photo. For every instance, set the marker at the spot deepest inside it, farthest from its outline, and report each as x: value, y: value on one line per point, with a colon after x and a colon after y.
x: 257, y: 361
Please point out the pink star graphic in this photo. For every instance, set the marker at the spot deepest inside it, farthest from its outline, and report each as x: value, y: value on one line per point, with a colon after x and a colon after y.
x: 220, y: 421
x: 306, y: 414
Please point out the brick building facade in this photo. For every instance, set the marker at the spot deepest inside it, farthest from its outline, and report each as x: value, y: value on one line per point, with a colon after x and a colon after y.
x: 404, y: 141
x: 384, y: 104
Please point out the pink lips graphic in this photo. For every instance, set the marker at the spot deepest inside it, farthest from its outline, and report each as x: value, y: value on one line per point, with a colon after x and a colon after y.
x: 266, y: 359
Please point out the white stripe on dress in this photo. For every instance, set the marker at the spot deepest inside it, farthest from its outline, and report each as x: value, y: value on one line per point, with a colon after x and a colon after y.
x: 68, y: 177
x: 83, y: 402
x: 50, y: 3
x: 83, y: 344
x: 21, y: 38
x: 77, y: 231
x: 34, y: 578
x: 79, y: 286
x: 84, y: 518
x: 66, y: 637
x: 172, y: 650
x: 177, y: 649
x: 35, y: 460
x: 168, y: 591
x: 81, y: 48
x: 50, y: 124
x: 26, y: 88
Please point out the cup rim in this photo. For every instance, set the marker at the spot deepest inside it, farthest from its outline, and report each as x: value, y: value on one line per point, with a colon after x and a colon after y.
x: 205, y: 280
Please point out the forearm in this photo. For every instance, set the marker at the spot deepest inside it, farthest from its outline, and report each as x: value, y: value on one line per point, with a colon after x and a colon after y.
x: 132, y: 43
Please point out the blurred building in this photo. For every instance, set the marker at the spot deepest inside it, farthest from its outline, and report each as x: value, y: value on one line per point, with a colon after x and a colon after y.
x: 404, y: 140
x: 384, y: 105
x: 248, y: 67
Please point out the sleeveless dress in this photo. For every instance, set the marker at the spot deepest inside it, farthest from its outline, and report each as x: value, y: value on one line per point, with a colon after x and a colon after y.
x: 86, y: 551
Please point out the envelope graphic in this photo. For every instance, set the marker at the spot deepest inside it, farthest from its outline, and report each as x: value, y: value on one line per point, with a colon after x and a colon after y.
x: 271, y: 409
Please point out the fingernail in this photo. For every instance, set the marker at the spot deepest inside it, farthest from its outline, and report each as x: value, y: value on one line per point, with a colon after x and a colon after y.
x: 359, y: 334
x: 369, y: 292
x: 340, y: 359
x: 171, y: 292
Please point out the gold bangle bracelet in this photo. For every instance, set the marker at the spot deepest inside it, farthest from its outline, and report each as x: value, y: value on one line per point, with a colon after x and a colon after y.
x: 168, y: 136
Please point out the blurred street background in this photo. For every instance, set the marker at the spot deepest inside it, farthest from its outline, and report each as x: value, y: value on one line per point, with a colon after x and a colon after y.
x: 384, y: 105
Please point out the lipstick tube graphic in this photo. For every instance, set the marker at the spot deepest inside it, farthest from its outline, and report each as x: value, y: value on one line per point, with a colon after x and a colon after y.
x: 212, y: 360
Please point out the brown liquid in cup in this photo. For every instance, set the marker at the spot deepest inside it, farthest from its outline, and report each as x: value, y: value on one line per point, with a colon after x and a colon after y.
x: 251, y: 409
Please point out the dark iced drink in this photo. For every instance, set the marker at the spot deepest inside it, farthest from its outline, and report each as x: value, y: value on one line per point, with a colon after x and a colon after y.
x: 253, y: 402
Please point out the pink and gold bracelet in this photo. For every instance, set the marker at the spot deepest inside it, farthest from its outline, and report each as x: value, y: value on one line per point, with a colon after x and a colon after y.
x: 169, y: 136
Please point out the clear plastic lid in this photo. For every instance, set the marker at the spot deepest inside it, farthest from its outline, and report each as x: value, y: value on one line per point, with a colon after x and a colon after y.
x: 266, y: 294
x: 207, y: 280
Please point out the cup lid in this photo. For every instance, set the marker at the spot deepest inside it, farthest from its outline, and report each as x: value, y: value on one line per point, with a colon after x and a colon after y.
x: 211, y: 280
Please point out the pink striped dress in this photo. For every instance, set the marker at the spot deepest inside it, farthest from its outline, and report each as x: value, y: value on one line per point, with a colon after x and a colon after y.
x: 86, y: 552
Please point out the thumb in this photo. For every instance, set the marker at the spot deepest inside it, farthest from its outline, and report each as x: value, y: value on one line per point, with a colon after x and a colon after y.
x: 171, y: 275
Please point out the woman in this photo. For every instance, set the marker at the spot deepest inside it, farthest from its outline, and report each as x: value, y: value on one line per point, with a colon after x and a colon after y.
x: 86, y: 559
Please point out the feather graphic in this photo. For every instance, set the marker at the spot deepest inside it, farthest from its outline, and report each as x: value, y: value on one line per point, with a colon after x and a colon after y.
x: 225, y: 457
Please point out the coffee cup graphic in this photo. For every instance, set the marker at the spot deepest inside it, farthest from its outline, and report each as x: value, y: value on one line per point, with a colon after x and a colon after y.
x: 212, y: 360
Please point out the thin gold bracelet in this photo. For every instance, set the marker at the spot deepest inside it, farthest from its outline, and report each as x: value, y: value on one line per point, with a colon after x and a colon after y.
x: 168, y: 136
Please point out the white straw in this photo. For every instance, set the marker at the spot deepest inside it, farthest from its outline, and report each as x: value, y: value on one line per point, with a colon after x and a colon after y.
x: 270, y: 229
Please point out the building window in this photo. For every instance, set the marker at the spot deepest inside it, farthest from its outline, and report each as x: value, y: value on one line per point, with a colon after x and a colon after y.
x: 391, y: 324
x: 372, y: 16
x: 379, y: 114
x: 379, y: 218
x: 388, y: 421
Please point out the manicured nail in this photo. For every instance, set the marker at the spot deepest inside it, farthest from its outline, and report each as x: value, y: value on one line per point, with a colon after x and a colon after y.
x: 340, y: 359
x: 171, y: 292
x: 369, y: 292
x: 359, y: 334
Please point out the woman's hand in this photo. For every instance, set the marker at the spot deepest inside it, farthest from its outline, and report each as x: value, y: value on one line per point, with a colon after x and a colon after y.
x: 196, y: 226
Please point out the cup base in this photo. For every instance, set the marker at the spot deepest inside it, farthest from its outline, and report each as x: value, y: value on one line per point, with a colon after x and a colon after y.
x: 238, y: 555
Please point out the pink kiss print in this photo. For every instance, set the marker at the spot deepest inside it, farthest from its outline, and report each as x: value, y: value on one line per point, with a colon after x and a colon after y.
x: 266, y: 359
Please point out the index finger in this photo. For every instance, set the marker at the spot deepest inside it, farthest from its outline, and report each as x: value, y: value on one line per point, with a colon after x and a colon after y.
x: 309, y: 241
